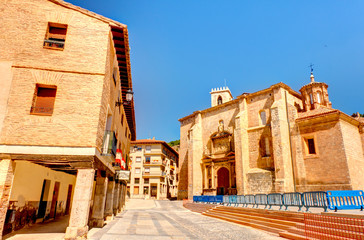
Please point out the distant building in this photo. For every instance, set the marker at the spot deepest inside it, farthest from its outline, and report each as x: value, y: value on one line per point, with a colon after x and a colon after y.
x: 273, y: 140
x: 154, y: 166
x: 65, y: 123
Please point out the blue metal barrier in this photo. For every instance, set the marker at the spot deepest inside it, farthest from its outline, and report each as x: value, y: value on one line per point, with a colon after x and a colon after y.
x: 275, y: 199
x: 352, y: 199
x: 232, y: 200
x: 293, y: 199
x: 225, y: 199
x: 211, y: 199
x: 249, y: 199
x: 314, y: 199
x: 205, y: 199
x: 261, y: 199
x: 195, y: 198
x: 199, y: 198
x: 240, y: 199
x: 219, y: 199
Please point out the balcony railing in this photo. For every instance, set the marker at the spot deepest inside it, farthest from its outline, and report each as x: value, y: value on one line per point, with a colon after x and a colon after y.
x: 54, y: 43
x: 42, y: 110
x: 156, y: 162
x: 109, y: 145
x: 162, y: 174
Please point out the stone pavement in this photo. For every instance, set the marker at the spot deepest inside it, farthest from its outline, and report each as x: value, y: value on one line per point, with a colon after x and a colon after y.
x: 149, y: 219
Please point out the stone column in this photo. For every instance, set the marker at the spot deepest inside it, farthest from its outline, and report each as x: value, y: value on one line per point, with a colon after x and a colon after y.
x: 205, y: 177
x: 6, y: 183
x: 121, y: 197
x: 109, y: 205
x: 213, y: 176
x: 98, y: 208
x: 116, y: 198
x: 77, y: 228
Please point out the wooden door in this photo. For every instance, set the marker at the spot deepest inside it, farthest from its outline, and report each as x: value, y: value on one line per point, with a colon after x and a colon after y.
x: 69, y: 195
x: 54, y: 200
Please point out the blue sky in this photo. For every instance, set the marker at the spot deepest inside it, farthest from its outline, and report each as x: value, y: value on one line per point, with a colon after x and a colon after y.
x: 182, y: 49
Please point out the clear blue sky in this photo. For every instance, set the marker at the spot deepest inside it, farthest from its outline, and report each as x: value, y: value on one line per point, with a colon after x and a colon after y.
x: 182, y: 49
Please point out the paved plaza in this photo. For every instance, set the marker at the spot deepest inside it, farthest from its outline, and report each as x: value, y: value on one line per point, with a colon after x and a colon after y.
x: 149, y: 219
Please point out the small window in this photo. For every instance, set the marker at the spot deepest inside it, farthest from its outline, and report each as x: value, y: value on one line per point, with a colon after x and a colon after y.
x: 263, y: 118
x: 311, y: 146
x: 148, y: 148
x: 136, y: 180
x: 138, y: 159
x: 219, y: 100
x: 146, y: 181
x: 318, y: 97
x: 139, y: 148
x: 137, y: 170
x: 147, y: 170
x: 55, y: 36
x: 43, y: 100
x: 147, y: 159
x: 146, y: 189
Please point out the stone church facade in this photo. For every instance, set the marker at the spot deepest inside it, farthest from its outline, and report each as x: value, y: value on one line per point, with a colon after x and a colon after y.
x: 273, y: 140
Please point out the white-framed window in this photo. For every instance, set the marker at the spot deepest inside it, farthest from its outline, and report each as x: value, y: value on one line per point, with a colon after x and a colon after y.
x: 137, y: 170
x: 147, y: 170
x: 148, y: 148
x: 138, y: 159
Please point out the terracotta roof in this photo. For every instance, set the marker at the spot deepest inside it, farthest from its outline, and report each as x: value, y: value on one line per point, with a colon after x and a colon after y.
x: 316, y: 112
x: 151, y: 141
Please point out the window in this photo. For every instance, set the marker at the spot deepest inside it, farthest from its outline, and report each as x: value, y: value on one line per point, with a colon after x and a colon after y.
x: 318, y: 97
x: 146, y: 181
x: 136, y: 180
x: 136, y: 190
x: 137, y: 170
x: 147, y: 159
x: 43, y: 100
x: 263, y: 118
x: 219, y: 100
x: 139, y: 148
x: 138, y: 159
x: 148, y: 148
x: 264, y: 147
x: 311, y: 146
x: 115, y: 75
x: 55, y: 36
x: 146, y: 191
x: 147, y: 170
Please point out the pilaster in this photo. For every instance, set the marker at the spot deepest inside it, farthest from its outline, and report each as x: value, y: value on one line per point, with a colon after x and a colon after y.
x: 116, y: 198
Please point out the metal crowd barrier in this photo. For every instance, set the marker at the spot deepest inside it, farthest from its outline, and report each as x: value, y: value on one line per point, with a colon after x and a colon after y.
x: 334, y: 200
x: 293, y: 199
x: 275, y: 199
x: 345, y: 199
x: 249, y: 199
x: 314, y: 199
x: 261, y: 199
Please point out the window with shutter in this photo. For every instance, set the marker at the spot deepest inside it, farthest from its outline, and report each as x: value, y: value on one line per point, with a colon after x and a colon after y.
x: 43, y: 101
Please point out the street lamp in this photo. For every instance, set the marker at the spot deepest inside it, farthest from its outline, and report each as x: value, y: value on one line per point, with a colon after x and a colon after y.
x: 128, y: 96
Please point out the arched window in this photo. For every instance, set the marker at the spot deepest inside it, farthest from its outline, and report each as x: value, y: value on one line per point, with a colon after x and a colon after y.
x: 219, y: 100
x: 319, y: 97
x: 263, y: 117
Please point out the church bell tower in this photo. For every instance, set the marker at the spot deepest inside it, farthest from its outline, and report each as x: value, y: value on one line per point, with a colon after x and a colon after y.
x: 315, y: 95
x: 220, y: 96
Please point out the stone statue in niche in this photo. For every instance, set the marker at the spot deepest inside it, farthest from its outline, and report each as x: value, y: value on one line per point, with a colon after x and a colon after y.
x: 220, y: 128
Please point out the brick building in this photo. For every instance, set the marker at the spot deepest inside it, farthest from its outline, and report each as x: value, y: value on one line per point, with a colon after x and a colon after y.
x: 64, y: 115
x: 153, y: 170
x: 273, y: 140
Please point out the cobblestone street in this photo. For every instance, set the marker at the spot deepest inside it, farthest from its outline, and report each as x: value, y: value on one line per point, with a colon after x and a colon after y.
x: 148, y: 219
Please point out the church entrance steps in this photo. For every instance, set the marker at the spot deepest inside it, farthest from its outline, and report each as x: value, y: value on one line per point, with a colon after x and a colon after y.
x: 293, y: 236
x: 198, y: 207
x: 293, y: 217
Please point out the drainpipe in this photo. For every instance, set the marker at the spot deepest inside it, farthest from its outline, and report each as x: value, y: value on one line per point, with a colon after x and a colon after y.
x: 290, y: 144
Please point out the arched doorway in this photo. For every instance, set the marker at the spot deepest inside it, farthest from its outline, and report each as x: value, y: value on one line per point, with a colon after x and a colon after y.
x: 223, y: 181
